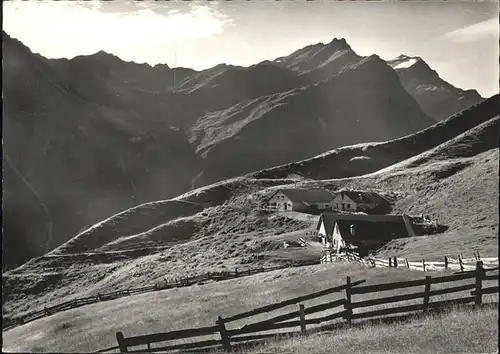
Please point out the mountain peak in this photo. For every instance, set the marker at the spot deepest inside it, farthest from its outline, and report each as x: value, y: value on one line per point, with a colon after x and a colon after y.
x: 338, y: 44
x: 404, y: 61
x: 407, y: 57
x: 339, y: 41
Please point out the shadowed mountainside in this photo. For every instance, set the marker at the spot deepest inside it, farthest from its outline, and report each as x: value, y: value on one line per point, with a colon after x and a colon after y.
x: 437, y: 98
x: 361, y: 159
x: 82, y: 159
x: 307, y: 121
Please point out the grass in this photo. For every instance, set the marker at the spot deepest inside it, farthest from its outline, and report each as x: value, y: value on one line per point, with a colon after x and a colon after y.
x: 219, y: 244
x: 457, y: 330
x: 466, y: 201
x: 227, y: 236
x: 93, y: 327
x: 459, y: 191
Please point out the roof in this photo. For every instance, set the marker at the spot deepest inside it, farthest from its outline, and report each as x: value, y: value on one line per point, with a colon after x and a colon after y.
x: 389, y: 221
x: 306, y: 195
x: 364, y: 197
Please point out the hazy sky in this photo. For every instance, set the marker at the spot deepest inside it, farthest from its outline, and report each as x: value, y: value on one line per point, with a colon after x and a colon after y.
x: 458, y: 39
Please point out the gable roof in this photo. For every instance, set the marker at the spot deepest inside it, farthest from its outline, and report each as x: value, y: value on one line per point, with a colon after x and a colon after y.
x: 377, y: 198
x: 364, y: 197
x: 305, y: 195
x: 388, y: 221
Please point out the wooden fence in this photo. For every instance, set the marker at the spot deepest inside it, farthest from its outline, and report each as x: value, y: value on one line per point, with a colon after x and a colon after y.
x: 346, y: 311
x: 460, y: 264
x: 331, y: 256
x: 9, y: 323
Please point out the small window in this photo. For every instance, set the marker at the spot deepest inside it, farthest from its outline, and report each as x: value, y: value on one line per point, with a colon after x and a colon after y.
x: 348, y: 206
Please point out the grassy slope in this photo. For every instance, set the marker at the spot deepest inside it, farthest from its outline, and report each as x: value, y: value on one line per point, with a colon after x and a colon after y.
x: 223, y: 238
x: 453, y: 185
x: 93, y: 327
x: 360, y: 159
x: 455, y: 331
x: 450, y: 183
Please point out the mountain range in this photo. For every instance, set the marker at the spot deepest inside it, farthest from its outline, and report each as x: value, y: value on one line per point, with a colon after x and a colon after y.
x: 88, y: 137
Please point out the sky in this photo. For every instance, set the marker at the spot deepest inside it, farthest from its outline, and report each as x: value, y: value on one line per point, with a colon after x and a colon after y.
x: 457, y: 39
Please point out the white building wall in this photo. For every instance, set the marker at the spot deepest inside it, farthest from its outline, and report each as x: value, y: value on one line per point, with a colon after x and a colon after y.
x: 346, y: 204
x: 280, y: 202
x: 337, y: 238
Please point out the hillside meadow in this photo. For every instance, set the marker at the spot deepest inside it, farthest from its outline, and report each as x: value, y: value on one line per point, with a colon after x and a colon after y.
x: 457, y: 330
x: 93, y: 327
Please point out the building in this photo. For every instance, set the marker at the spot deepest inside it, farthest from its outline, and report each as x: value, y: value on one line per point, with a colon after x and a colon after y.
x: 361, y: 232
x: 359, y: 201
x: 299, y: 200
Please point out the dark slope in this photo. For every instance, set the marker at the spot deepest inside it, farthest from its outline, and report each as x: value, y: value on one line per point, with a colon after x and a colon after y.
x: 84, y: 159
x: 437, y: 98
x: 305, y: 122
x: 233, y: 84
x: 366, y: 158
x: 22, y: 200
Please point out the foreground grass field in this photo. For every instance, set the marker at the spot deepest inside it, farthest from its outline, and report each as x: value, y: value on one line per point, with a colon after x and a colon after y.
x: 93, y: 327
x: 457, y: 330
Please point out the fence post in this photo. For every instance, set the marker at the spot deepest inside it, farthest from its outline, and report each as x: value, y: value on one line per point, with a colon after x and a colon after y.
x: 223, y: 334
x: 121, y: 342
x: 445, y: 263
x: 461, y: 263
x: 423, y: 264
x: 390, y: 262
x: 479, y: 276
x: 426, y: 292
x: 236, y: 271
x: 302, y: 315
x: 407, y: 264
x: 347, y: 304
x: 395, y: 262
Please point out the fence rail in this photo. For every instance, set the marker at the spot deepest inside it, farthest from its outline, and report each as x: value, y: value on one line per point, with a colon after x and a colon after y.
x: 345, y: 310
x: 460, y: 264
x: 9, y: 323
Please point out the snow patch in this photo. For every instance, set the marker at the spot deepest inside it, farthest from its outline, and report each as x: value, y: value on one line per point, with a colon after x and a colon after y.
x: 356, y: 158
x: 406, y: 64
